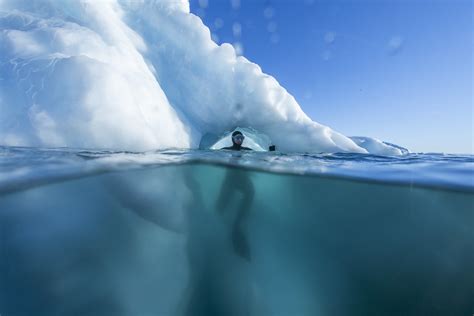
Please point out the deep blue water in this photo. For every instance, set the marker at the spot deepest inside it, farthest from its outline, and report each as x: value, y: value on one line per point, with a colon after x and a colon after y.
x: 225, y: 233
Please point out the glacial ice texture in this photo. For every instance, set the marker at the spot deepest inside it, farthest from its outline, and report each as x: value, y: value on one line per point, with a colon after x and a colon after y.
x: 137, y: 75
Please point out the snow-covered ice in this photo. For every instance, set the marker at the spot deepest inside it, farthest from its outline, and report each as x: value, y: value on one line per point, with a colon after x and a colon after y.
x: 139, y: 75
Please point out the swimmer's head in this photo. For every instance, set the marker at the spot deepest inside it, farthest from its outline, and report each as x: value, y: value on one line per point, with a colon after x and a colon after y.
x: 237, y: 138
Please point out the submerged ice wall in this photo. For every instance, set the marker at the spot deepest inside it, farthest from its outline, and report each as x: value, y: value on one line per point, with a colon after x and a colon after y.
x: 136, y: 75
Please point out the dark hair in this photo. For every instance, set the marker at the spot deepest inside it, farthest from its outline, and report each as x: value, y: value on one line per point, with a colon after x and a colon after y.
x: 236, y: 133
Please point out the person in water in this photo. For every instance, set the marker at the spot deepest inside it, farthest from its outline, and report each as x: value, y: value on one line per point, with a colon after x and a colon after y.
x: 237, y: 184
x: 237, y: 140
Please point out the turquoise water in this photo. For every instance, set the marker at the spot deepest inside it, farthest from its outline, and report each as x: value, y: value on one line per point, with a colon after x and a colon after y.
x: 158, y: 233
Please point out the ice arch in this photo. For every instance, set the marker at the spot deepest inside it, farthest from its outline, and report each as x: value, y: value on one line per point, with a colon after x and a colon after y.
x: 253, y: 139
x: 136, y: 75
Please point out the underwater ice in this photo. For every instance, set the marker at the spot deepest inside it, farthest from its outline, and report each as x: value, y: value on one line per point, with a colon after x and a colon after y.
x: 129, y: 243
x: 139, y: 75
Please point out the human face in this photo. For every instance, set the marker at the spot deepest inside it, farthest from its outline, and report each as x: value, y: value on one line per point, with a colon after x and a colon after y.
x: 238, y: 139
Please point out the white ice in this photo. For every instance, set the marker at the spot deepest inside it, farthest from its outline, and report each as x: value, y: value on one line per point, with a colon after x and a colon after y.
x: 376, y: 146
x: 137, y: 75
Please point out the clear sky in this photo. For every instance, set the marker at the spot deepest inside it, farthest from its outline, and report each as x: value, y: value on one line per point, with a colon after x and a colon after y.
x: 397, y: 70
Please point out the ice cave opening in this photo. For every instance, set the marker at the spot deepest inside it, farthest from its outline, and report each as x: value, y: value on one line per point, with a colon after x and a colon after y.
x: 254, y: 139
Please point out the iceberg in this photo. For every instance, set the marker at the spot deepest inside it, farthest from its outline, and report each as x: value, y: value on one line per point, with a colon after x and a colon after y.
x: 139, y: 75
x: 373, y: 145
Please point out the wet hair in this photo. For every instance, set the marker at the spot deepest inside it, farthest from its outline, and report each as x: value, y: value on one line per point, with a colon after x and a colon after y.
x: 236, y: 133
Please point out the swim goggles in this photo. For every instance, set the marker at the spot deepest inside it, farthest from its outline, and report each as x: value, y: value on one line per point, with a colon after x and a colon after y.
x: 238, y: 137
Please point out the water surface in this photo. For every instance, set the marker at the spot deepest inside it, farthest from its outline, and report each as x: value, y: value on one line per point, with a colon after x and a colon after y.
x: 158, y: 233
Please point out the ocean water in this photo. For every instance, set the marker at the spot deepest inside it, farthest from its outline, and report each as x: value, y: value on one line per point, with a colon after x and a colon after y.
x: 230, y: 233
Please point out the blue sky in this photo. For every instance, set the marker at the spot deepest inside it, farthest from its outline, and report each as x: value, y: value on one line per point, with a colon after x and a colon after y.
x: 397, y: 70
